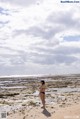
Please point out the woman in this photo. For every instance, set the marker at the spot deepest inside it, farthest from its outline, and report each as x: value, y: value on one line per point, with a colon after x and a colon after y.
x: 42, y: 93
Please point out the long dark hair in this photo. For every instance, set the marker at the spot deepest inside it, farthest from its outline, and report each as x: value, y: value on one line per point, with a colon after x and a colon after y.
x: 43, y: 82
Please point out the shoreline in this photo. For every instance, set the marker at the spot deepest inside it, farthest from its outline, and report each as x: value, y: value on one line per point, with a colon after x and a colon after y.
x: 62, y: 95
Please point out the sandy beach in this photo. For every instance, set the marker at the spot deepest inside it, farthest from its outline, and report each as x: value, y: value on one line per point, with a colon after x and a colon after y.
x: 19, y: 97
x: 71, y: 112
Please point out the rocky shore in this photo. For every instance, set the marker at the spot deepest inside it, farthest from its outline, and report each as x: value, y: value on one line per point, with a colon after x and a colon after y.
x: 19, y: 96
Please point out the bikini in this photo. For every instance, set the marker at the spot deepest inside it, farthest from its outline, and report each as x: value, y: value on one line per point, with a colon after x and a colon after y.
x: 42, y: 92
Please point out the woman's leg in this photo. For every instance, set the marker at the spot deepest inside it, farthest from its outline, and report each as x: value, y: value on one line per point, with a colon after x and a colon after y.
x: 43, y: 100
x: 42, y: 96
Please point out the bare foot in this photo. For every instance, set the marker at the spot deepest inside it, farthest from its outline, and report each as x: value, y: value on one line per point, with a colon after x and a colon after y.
x: 43, y: 107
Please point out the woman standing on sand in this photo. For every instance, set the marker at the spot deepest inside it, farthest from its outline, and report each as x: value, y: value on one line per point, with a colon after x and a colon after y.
x: 42, y: 93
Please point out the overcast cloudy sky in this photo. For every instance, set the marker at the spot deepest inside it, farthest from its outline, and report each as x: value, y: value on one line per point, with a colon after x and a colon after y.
x: 39, y: 37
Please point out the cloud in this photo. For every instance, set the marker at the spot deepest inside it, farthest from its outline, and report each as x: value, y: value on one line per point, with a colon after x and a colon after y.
x: 21, y: 2
x: 54, y: 59
x: 34, y: 37
x: 45, y: 33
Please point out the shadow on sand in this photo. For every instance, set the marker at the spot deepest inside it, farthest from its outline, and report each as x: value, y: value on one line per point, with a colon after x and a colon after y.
x: 46, y: 113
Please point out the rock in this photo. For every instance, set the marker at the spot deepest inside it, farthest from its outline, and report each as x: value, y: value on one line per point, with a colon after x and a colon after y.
x: 23, y: 104
x: 24, y: 117
x: 52, y: 107
x: 23, y: 111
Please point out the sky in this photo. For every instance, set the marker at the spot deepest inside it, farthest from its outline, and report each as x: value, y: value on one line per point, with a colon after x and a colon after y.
x: 39, y: 37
